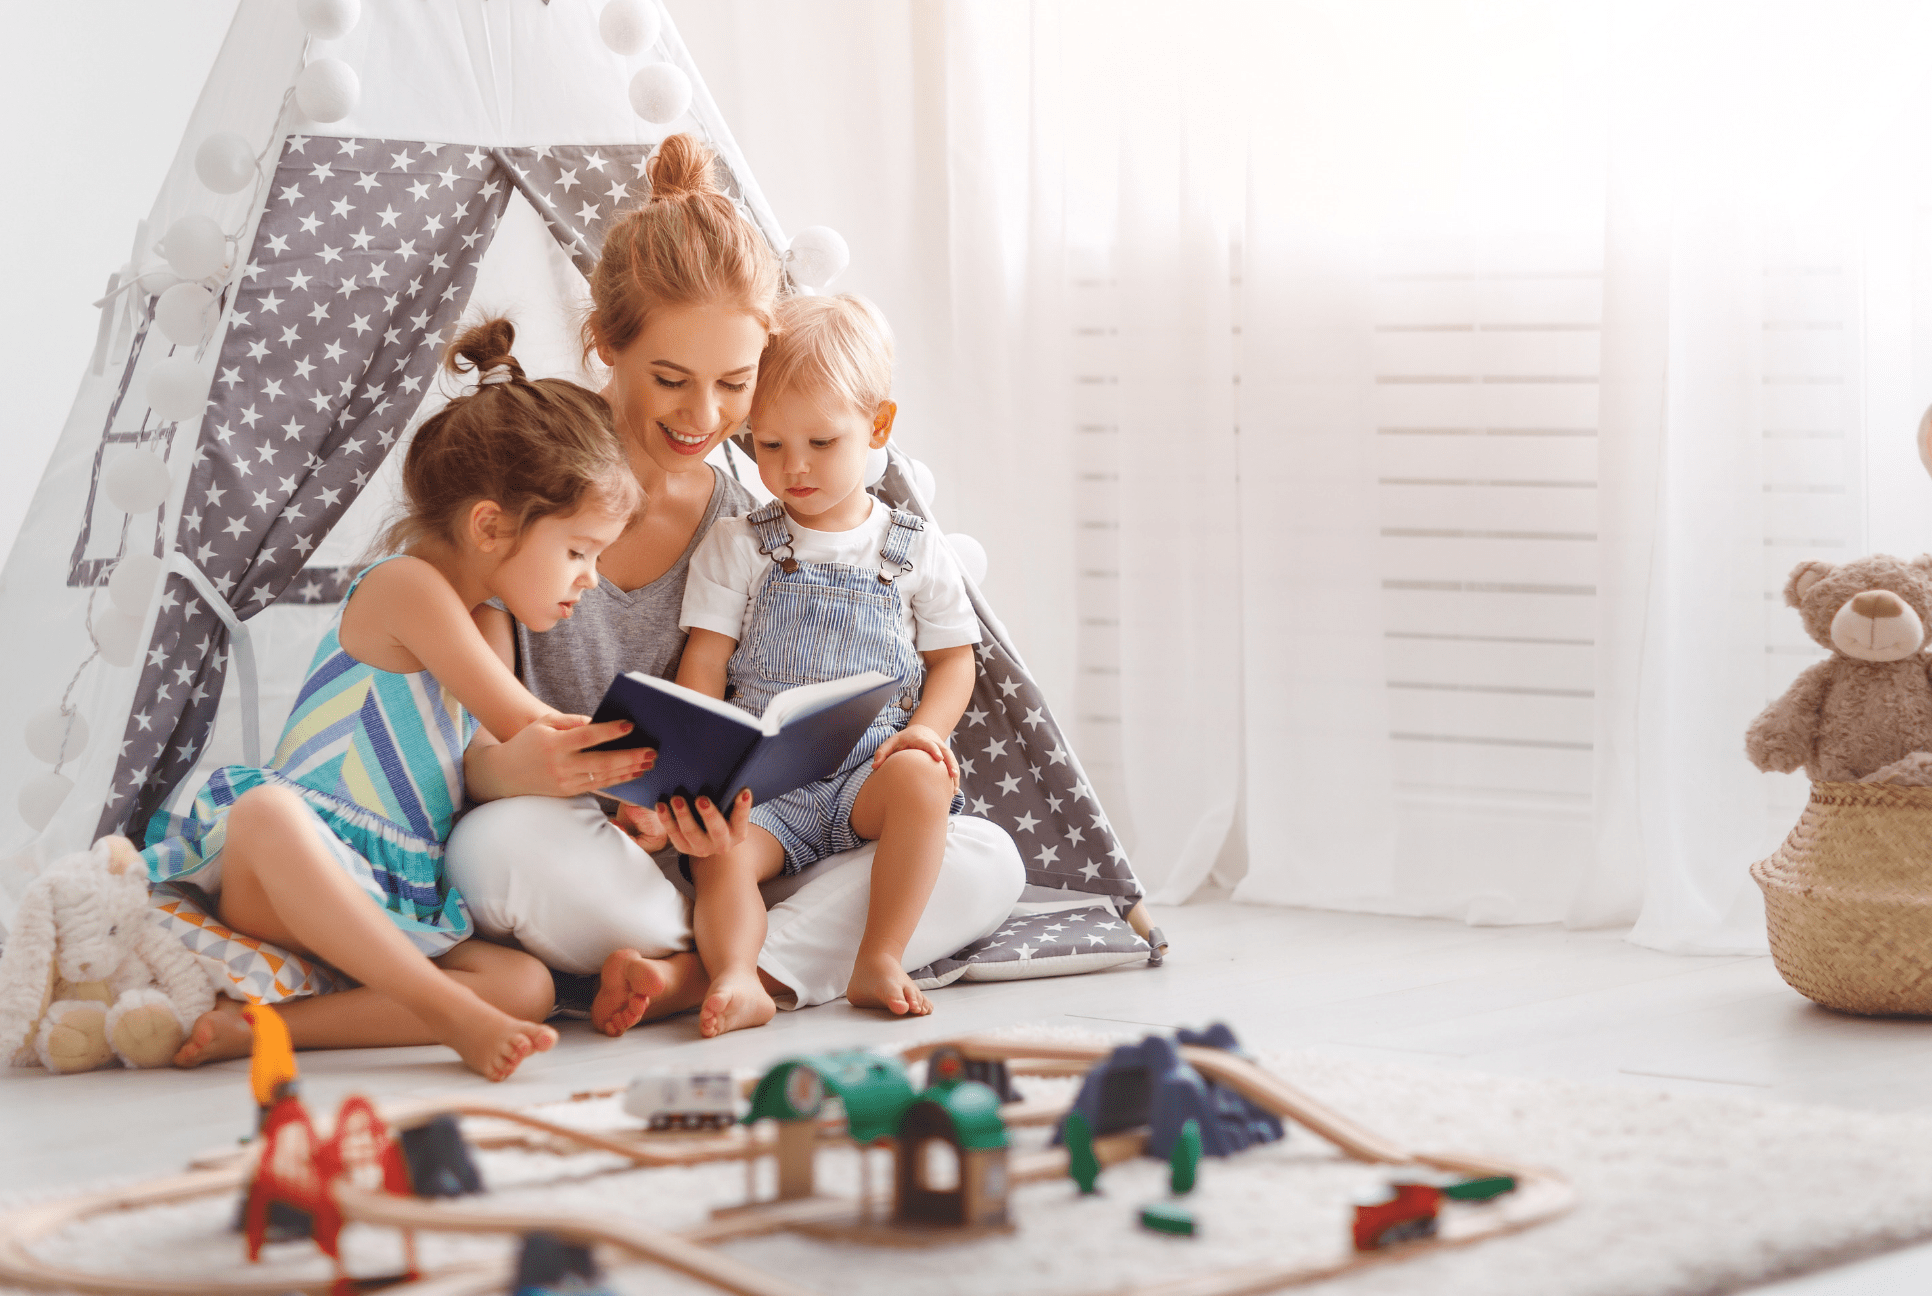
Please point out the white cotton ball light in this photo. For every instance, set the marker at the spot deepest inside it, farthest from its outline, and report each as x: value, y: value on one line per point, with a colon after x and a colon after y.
x: 158, y: 280
x: 132, y: 584
x: 119, y: 636
x: 137, y: 481
x: 327, y: 90
x: 177, y: 389
x: 56, y: 736
x: 195, y: 247
x: 875, y: 466
x: 922, y: 480
x: 1925, y: 440
x: 328, y: 19
x: 41, y: 797
x: 185, y: 313
x: 660, y: 93
x: 971, y: 554
x: 225, y: 163
x: 628, y: 26
x: 817, y: 256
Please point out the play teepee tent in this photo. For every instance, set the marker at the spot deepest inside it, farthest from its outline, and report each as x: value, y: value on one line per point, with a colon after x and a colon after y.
x: 351, y: 183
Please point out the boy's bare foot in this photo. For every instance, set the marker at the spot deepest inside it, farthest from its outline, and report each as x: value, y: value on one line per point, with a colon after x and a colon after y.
x: 493, y: 1043
x: 626, y: 986
x: 218, y: 1034
x: 879, y: 982
x: 735, y: 1001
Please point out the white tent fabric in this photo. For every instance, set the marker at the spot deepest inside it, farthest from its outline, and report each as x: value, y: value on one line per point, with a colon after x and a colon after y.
x: 487, y: 115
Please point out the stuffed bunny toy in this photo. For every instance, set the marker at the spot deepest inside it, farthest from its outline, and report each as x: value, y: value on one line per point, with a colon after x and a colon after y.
x: 87, y: 976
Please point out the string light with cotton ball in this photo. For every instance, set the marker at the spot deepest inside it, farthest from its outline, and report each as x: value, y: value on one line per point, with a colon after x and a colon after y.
x: 660, y: 93
x: 177, y: 389
x: 118, y: 635
x: 195, y: 248
x: 327, y: 90
x: 185, y: 313
x: 328, y: 19
x: 225, y: 163
x: 56, y: 734
x: 133, y: 582
x: 922, y: 480
x: 817, y: 256
x: 971, y: 554
x: 137, y: 481
x: 40, y: 798
x: 628, y: 26
x: 875, y: 466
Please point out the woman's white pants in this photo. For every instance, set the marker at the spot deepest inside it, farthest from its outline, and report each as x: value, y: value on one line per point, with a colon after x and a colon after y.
x: 556, y: 877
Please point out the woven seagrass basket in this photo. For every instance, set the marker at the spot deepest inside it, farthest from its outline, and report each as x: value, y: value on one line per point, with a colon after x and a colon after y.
x: 1848, y: 899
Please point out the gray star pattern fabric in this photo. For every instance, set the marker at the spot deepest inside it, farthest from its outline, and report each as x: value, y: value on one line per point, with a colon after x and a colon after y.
x: 362, y: 261
x: 1049, y: 944
x: 1016, y: 767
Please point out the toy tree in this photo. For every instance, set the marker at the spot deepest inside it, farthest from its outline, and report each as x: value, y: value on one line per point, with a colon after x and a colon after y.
x: 1184, y: 1159
x: 1082, y: 1165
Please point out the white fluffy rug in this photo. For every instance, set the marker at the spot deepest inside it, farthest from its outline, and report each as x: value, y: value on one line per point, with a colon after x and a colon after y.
x: 1676, y: 1195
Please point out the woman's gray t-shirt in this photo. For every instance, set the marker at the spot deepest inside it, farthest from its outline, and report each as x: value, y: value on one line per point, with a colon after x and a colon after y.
x: 569, y: 666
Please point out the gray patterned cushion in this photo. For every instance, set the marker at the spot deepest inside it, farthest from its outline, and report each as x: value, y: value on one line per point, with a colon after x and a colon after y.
x: 1042, y: 945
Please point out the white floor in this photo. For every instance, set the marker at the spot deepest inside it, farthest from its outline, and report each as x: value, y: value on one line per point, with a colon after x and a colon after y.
x: 1519, y: 1001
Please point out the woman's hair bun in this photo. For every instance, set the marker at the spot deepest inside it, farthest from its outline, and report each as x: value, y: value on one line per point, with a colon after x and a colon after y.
x: 482, y: 347
x: 681, y: 165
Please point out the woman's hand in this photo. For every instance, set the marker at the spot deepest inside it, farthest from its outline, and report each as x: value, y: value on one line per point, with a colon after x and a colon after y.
x: 696, y: 831
x: 917, y: 737
x: 548, y: 757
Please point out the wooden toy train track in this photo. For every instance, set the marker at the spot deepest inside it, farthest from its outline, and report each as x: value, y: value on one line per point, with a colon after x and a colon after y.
x: 1539, y: 1195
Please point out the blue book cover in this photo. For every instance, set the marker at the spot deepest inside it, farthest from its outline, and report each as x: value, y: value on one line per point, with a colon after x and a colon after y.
x: 708, y: 747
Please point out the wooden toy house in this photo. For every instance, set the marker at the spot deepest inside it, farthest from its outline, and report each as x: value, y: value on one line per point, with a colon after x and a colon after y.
x: 873, y: 1091
x: 950, y: 1160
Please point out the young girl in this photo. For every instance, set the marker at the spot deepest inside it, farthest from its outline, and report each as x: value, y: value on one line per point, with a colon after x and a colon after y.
x: 336, y: 850
x: 822, y: 583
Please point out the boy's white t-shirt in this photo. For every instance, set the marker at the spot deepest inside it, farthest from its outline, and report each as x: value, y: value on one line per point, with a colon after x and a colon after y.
x: 727, y: 569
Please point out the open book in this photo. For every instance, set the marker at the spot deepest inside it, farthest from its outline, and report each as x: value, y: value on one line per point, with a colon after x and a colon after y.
x: 707, y: 747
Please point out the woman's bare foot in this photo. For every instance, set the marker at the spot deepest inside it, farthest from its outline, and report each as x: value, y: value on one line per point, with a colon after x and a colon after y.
x: 879, y: 982
x: 629, y: 983
x: 493, y: 1043
x: 735, y: 1001
x: 218, y: 1034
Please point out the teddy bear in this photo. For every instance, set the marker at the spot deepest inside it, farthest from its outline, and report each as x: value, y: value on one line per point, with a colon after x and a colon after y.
x: 87, y: 976
x: 1864, y: 713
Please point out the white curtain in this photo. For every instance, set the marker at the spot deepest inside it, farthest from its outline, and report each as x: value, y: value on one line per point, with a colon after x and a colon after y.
x: 1390, y: 422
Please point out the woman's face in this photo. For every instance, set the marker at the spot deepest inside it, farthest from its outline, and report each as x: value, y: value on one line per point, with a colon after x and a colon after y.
x: 685, y: 382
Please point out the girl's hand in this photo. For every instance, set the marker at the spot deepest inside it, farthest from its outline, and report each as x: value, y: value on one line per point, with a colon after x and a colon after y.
x: 917, y: 737
x: 548, y: 758
x: 706, y: 832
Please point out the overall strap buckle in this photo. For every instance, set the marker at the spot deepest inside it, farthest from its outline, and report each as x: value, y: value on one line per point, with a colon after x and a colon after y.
x: 904, y: 531
x: 774, y: 537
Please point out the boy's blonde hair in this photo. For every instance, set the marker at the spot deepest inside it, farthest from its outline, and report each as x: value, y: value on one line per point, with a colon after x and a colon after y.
x: 830, y: 348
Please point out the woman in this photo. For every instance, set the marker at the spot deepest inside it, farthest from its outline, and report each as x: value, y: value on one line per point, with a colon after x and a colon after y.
x: 682, y: 306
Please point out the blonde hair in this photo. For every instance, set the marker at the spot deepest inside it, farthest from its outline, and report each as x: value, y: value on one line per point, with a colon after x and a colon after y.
x: 535, y: 448
x: 828, y: 347
x: 685, y: 245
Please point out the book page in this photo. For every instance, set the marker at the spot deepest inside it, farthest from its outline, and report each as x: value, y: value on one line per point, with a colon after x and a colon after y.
x: 717, y: 706
x: 809, y: 698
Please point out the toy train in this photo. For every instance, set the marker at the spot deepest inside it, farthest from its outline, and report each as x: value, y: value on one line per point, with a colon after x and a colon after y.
x: 683, y: 1100
x: 1403, y: 1211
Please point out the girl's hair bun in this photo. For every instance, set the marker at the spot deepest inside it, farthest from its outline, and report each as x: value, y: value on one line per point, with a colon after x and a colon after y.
x: 482, y: 347
x: 681, y: 165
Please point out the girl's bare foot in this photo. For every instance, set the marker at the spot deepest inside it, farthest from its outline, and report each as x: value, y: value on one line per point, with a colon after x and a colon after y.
x: 626, y: 986
x: 218, y: 1034
x: 493, y: 1043
x: 879, y: 982
x: 736, y: 1000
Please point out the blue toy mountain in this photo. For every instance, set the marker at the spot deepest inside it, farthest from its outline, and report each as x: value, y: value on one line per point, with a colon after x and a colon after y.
x: 1150, y: 1084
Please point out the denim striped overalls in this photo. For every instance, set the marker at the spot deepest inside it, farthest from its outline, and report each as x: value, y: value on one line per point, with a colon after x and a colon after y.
x: 812, y: 622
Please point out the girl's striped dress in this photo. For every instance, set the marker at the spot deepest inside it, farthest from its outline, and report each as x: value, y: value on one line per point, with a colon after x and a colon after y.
x: 377, y: 758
